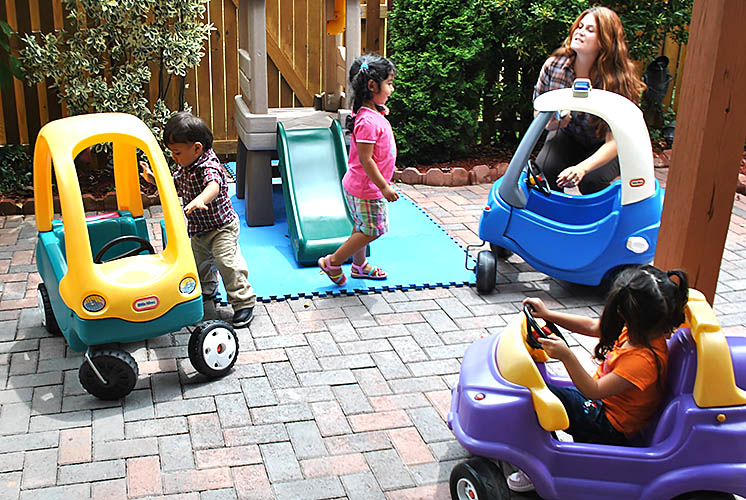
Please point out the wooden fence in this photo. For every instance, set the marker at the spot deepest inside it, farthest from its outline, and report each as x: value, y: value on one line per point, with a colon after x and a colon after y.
x: 295, y: 40
x: 295, y: 31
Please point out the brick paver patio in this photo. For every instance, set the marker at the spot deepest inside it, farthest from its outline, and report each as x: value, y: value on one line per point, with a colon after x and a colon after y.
x: 330, y: 397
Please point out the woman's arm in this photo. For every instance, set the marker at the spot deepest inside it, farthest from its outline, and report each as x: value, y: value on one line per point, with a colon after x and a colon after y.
x: 365, y: 153
x: 606, y: 386
x: 573, y: 175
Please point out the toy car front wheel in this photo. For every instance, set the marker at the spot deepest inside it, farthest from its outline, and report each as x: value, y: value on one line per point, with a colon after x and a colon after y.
x: 478, y: 479
x: 118, y: 370
x: 45, y: 308
x: 705, y: 495
x: 486, y: 271
x: 213, y: 348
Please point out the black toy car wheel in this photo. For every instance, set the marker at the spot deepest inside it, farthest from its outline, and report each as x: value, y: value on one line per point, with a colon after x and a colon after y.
x: 486, y: 271
x: 478, y: 479
x: 213, y: 348
x: 705, y: 495
x: 500, y: 252
x: 45, y: 308
x: 118, y: 369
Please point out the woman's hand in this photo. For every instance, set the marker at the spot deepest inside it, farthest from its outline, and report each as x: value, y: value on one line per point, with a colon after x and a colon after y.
x: 540, y: 310
x: 562, y: 122
x: 390, y: 193
x: 555, y: 347
x: 571, y: 176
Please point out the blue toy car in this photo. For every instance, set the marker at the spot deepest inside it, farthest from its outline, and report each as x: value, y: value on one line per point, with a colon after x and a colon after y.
x: 580, y: 239
x: 694, y: 448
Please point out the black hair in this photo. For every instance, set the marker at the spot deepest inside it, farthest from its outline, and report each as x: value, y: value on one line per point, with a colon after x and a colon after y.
x: 365, y: 68
x: 185, y: 128
x: 648, y: 301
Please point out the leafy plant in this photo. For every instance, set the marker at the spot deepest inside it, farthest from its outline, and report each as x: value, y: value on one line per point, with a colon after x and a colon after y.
x: 437, y: 46
x: 15, y: 168
x: 9, y: 65
x: 102, y: 63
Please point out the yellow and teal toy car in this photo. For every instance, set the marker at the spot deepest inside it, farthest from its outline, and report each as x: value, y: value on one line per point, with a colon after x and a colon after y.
x: 103, y: 282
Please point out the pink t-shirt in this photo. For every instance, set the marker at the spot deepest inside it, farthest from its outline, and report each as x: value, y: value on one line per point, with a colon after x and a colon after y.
x: 373, y: 128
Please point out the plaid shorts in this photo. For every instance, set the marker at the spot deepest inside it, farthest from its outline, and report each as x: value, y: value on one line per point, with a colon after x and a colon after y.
x: 370, y: 216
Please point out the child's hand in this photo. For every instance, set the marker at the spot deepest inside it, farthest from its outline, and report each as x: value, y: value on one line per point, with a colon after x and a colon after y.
x: 555, y: 347
x: 195, y: 204
x: 390, y: 193
x: 539, y: 309
x: 146, y: 173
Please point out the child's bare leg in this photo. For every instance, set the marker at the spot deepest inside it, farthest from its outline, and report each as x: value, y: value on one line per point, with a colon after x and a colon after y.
x: 355, y: 243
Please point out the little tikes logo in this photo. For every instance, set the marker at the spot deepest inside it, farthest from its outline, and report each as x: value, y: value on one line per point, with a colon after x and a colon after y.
x: 636, y: 183
x: 145, y: 303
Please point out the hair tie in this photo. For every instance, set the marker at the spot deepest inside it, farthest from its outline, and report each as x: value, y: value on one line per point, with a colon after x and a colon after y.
x: 364, y: 66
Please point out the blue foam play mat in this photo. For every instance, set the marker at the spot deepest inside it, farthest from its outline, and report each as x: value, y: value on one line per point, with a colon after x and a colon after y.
x: 416, y: 253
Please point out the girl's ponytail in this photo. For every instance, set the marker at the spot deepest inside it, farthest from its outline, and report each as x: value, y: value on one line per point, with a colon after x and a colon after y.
x: 681, y: 295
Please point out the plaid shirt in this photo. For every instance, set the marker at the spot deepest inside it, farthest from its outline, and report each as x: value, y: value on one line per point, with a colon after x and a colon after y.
x: 191, y: 180
x: 558, y: 73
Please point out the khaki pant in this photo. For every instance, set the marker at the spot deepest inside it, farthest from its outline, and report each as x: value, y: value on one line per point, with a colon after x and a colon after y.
x: 218, y: 251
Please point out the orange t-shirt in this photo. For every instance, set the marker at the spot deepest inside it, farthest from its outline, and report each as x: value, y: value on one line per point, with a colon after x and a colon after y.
x: 631, y: 410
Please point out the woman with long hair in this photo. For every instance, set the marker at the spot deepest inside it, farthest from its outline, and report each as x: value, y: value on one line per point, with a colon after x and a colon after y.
x: 579, y: 149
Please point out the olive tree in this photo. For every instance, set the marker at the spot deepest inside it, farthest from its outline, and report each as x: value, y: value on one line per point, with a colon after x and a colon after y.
x: 102, y: 62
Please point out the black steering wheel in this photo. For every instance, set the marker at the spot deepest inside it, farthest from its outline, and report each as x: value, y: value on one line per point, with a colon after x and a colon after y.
x: 536, y: 179
x: 534, y: 331
x: 143, y: 245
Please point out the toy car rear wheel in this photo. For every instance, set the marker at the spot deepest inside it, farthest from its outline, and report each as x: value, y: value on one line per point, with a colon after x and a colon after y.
x: 119, y: 370
x: 478, y: 479
x: 486, y: 271
x: 213, y: 348
x: 500, y: 252
x: 45, y: 308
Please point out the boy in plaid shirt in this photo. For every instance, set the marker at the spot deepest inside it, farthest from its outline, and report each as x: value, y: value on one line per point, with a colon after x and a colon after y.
x: 212, y: 223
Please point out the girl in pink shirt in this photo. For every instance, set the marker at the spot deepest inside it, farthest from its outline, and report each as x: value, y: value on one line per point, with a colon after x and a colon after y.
x: 369, y: 169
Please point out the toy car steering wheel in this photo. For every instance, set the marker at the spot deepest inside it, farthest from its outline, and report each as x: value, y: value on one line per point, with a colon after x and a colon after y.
x: 536, y: 179
x: 143, y: 245
x: 534, y: 331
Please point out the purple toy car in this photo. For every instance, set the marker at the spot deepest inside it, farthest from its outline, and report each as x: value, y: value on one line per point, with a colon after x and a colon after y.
x: 695, y: 447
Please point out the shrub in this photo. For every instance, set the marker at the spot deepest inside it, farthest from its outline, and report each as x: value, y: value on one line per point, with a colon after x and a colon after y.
x: 15, y: 168
x: 101, y: 65
x: 437, y: 47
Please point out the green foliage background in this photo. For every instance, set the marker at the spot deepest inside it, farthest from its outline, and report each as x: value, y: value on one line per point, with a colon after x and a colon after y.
x: 102, y: 64
x: 460, y: 60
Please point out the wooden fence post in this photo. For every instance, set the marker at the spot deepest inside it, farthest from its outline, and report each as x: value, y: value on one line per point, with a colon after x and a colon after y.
x: 708, y: 144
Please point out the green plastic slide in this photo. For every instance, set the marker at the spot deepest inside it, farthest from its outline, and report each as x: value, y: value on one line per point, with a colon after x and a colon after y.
x: 312, y: 164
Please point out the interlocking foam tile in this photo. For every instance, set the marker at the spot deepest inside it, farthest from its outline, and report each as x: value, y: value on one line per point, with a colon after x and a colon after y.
x: 416, y: 253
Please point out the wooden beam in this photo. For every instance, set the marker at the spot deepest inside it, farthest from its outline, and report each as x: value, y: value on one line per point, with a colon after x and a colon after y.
x: 372, y: 23
x: 295, y: 80
x: 383, y: 13
x: 708, y: 145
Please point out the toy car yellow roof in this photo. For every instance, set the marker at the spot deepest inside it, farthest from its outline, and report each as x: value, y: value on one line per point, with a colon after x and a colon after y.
x: 58, y: 143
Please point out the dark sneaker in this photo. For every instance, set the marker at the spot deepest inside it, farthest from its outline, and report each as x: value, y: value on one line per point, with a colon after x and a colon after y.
x: 243, y: 317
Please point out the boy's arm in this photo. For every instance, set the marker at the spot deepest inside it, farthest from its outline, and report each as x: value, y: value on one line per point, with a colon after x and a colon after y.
x: 146, y: 173
x: 201, y: 201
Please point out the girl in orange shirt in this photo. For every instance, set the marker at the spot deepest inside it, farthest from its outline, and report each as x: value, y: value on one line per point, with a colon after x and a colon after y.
x: 645, y: 305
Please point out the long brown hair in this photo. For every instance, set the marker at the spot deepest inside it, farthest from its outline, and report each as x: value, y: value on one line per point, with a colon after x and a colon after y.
x: 613, y: 69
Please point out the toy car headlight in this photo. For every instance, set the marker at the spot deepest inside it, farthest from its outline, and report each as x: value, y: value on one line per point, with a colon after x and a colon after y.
x: 187, y: 285
x: 94, y: 303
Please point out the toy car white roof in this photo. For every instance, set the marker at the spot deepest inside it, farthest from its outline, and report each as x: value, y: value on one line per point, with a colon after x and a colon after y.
x: 628, y: 128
